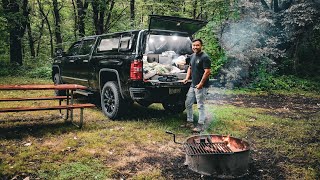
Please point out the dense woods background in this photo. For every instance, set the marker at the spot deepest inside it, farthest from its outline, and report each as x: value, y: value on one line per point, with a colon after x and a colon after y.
x: 258, y: 43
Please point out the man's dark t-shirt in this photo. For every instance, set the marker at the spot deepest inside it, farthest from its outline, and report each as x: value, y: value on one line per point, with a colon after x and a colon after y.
x: 198, y: 63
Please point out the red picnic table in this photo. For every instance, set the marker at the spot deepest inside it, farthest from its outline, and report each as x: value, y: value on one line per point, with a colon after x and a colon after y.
x: 69, y: 106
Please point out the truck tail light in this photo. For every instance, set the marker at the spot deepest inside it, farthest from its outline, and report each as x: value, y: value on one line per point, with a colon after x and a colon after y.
x: 136, y: 70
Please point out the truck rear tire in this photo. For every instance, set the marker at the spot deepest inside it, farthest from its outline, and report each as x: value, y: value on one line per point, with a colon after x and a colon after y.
x: 56, y: 81
x: 111, y: 100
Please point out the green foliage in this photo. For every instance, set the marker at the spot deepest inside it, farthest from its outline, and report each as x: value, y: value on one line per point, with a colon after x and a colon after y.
x: 40, y: 72
x: 290, y: 83
x: 305, y: 59
x: 216, y: 12
x: 212, y: 48
x: 27, y: 70
x: 4, y: 36
x: 7, y: 69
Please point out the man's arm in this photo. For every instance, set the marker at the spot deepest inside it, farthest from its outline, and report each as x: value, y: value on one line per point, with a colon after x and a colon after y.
x: 188, y: 75
x: 205, y: 76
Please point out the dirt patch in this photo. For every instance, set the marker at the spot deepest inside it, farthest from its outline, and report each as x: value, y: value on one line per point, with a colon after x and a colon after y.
x: 169, y: 158
x: 294, y: 107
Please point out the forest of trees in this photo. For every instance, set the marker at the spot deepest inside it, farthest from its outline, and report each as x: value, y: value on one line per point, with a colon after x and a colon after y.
x: 248, y: 41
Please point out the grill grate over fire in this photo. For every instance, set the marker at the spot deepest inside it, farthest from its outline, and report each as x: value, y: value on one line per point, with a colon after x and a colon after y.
x: 216, y: 155
x: 207, y: 148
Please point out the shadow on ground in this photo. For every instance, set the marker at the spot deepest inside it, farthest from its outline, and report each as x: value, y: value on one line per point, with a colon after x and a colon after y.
x: 21, y: 128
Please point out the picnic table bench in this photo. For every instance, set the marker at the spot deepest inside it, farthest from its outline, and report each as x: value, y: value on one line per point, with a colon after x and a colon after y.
x: 69, y: 106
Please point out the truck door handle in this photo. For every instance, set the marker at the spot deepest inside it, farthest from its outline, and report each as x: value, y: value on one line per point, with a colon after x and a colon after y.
x: 85, y: 61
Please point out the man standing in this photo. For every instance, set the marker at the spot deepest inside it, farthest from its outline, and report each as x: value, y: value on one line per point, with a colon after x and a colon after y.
x: 199, y: 71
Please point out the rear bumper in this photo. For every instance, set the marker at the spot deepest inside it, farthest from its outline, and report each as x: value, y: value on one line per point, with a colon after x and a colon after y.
x: 161, y: 84
x: 157, y: 94
x: 138, y: 93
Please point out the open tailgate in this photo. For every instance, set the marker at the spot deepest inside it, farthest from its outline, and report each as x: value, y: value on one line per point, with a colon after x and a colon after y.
x: 189, y: 26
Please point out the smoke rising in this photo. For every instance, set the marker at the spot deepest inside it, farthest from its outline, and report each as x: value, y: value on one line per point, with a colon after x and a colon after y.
x: 262, y: 36
x: 246, y: 42
x: 243, y: 36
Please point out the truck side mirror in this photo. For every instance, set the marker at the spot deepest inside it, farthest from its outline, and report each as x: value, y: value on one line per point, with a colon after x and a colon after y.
x: 59, y: 53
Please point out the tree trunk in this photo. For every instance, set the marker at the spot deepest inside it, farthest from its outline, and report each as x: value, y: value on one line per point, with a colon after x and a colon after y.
x: 184, y: 7
x: 201, y: 15
x: 99, y: 10
x: 286, y: 5
x: 23, y: 25
x: 82, y: 11
x: 108, y: 21
x: 29, y: 30
x: 15, y: 47
x: 264, y: 4
x: 17, y: 26
x: 132, y: 13
x: 75, y: 30
x: 45, y: 16
x: 276, y: 5
x: 195, y: 9
x: 102, y: 12
x: 31, y: 41
x: 57, y: 29
x: 40, y: 36
x: 95, y: 9
x: 119, y: 16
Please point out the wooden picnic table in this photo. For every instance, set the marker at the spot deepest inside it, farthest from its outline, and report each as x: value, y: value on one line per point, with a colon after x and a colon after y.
x: 43, y: 87
x: 70, y: 88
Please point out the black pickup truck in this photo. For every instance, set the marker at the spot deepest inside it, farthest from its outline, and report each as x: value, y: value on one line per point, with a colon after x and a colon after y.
x: 146, y: 66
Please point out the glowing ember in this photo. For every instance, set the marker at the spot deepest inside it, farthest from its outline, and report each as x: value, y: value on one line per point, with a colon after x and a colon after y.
x: 234, y: 144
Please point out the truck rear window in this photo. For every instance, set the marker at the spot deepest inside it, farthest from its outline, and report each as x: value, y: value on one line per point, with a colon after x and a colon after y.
x: 110, y: 44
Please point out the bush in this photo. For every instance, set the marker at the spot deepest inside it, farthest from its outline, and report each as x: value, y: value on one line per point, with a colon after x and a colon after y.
x: 7, y: 69
x: 212, y: 48
x: 40, y: 72
x: 271, y: 82
x: 35, y: 71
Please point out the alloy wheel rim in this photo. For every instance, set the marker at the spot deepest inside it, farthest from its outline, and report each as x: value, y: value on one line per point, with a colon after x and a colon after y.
x: 109, y: 100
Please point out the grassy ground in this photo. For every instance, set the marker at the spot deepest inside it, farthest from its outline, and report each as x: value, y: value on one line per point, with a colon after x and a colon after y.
x: 282, y: 129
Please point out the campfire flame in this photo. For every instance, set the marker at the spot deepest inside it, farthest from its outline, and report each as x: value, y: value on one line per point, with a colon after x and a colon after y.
x: 227, y: 140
